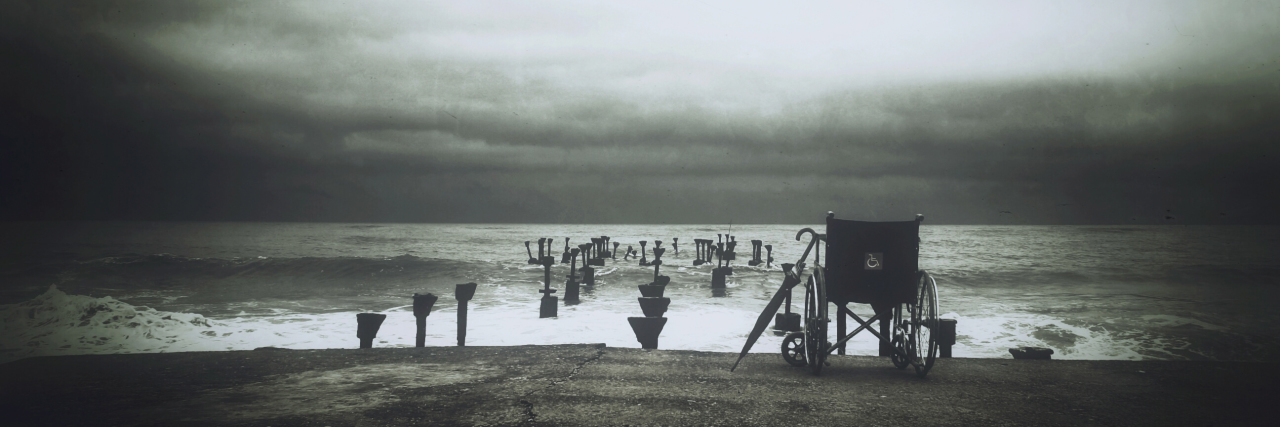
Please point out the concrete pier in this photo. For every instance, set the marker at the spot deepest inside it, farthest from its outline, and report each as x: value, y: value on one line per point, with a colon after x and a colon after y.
x: 584, y: 385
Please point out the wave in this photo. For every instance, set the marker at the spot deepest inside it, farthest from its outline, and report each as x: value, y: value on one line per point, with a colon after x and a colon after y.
x: 167, y: 267
x: 57, y: 323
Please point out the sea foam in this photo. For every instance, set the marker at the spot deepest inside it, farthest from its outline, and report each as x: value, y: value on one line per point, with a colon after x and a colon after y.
x: 55, y: 323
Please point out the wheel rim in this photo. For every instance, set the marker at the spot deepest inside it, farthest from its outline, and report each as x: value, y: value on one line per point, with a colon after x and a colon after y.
x: 793, y: 349
x: 814, y: 332
x: 927, y: 309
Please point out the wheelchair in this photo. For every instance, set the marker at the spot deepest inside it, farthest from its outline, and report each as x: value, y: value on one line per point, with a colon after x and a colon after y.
x: 875, y: 263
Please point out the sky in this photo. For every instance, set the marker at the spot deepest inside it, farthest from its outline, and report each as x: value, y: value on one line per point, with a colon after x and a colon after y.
x: 975, y: 112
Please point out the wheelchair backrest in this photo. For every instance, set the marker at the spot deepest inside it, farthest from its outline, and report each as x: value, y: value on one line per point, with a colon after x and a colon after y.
x: 872, y: 262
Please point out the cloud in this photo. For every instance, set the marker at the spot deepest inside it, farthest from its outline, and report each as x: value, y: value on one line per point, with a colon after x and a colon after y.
x: 579, y: 112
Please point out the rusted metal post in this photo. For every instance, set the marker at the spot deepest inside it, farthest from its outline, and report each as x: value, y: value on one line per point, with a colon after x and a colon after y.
x: 421, y: 309
x: 463, y: 293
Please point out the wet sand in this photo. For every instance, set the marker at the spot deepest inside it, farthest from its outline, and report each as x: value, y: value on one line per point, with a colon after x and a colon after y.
x: 595, y: 385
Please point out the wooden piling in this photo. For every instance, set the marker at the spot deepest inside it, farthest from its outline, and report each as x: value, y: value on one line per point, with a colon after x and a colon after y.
x: 463, y: 293
x: 421, y: 309
x: 367, y: 325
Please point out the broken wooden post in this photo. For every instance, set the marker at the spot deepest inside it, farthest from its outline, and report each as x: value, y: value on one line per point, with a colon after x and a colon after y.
x: 463, y: 293
x: 644, y: 254
x: 675, y: 249
x: 421, y: 309
x: 564, y: 257
x: 532, y: 260
x: 697, y: 248
x: 654, y: 307
x: 658, y: 250
x: 596, y: 248
x: 1043, y: 353
x: 647, y: 330
x: 571, y: 283
x: 769, y: 261
x: 718, y: 273
x: 717, y: 278
x: 367, y: 325
x: 548, y: 302
x: 755, y: 253
x: 542, y: 241
x: 651, y: 290
x: 588, y: 273
x: 614, y: 254
x: 946, y: 336
x: 729, y: 255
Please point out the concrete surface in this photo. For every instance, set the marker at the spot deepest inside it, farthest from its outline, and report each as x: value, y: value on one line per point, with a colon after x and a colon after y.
x: 595, y: 385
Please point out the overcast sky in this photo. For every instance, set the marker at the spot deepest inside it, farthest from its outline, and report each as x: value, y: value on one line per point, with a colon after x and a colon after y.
x: 656, y: 112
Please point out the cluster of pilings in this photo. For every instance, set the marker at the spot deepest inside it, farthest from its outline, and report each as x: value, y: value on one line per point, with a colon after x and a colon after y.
x: 544, y: 242
x: 705, y: 250
x: 756, y: 245
x: 593, y: 254
x: 367, y: 324
x: 652, y: 303
x: 724, y: 257
x: 597, y: 251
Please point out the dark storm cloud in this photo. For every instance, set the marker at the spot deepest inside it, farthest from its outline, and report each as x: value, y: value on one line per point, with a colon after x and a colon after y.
x: 582, y: 113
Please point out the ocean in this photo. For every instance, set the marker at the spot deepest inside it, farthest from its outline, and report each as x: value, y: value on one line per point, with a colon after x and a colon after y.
x: 1088, y: 292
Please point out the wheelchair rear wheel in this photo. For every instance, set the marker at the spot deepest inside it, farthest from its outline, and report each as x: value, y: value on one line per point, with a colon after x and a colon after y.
x: 924, y: 323
x: 815, y: 324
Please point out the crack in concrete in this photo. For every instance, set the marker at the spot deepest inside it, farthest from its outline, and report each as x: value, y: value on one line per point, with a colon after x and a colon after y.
x: 531, y: 418
x: 576, y: 369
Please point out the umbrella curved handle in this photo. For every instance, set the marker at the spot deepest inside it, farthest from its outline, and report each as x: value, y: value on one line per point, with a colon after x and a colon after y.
x: 812, y: 243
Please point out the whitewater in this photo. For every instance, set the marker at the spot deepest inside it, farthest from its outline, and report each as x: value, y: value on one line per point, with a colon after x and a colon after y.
x: 1088, y: 292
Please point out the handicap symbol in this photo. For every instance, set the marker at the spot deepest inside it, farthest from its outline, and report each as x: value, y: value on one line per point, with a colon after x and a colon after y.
x: 873, y: 263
